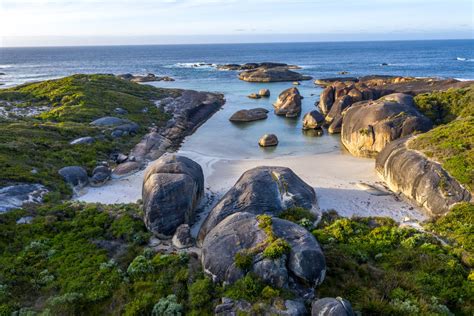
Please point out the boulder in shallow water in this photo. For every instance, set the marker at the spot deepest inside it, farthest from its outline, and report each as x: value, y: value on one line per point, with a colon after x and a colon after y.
x: 338, y: 107
x: 249, y: 115
x: 313, y: 120
x: 254, y: 96
x: 268, y: 140
x: 172, y: 189
x: 75, y: 176
x: 326, y: 100
x: 261, y: 190
x: 276, y: 74
x: 368, y: 126
x: 264, y: 93
x: 288, y: 103
x: 329, y: 306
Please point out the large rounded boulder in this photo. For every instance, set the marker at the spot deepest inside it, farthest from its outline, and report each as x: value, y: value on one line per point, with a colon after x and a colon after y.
x: 368, y: 126
x: 243, y: 234
x: 172, y: 189
x: 326, y: 100
x: 419, y: 178
x: 313, y: 120
x: 249, y: 115
x: 288, y: 103
x: 262, y: 190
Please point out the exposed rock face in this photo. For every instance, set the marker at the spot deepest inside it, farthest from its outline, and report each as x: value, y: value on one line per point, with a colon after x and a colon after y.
x: 288, y: 103
x: 83, y: 140
x: 127, y: 168
x: 100, y: 175
x: 313, y: 120
x: 369, y: 126
x: 251, y: 66
x: 338, y: 107
x: 172, y: 189
x: 264, y: 93
x: 274, y: 74
x: 254, y: 96
x: 332, y: 307
x: 420, y: 179
x: 326, y: 99
x: 146, y: 78
x: 249, y: 115
x: 75, y: 176
x: 262, y: 190
x: 268, y: 140
x: 15, y: 196
x: 189, y: 111
x: 182, y: 238
x: 304, y: 264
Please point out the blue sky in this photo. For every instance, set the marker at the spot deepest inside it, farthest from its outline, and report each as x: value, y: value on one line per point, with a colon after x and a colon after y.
x: 69, y: 22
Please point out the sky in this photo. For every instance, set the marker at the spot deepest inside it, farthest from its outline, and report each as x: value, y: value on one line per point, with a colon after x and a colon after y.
x: 116, y: 22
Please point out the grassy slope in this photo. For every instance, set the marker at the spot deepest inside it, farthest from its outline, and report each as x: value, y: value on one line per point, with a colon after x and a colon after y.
x: 451, y: 144
x: 42, y: 143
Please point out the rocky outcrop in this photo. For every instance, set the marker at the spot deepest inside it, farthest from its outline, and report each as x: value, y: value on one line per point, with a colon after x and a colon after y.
x: 241, y: 233
x: 332, y: 307
x: 249, y: 115
x: 264, y: 93
x: 313, y: 120
x: 326, y: 100
x: 251, y: 66
x: 268, y: 140
x: 229, y: 307
x: 262, y: 190
x: 100, y: 175
x: 75, y: 176
x: 145, y: 78
x: 367, y: 127
x: 288, y: 103
x: 422, y: 180
x: 17, y: 195
x: 188, y: 111
x: 182, y: 238
x: 172, y: 189
x: 273, y: 74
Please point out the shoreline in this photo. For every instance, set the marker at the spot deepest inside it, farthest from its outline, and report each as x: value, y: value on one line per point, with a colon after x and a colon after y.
x: 346, y: 184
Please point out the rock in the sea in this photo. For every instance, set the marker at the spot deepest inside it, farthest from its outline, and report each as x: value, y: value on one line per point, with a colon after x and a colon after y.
x: 75, y: 176
x: 182, y: 237
x: 100, y: 175
x: 368, y: 126
x: 15, y: 196
x: 268, y: 140
x: 127, y: 168
x: 418, y: 178
x: 262, y: 190
x: 277, y: 74
x: 249, y: 115
x: 83, y: 140
x: 264, y: 93
x: 254, y: 96
x: 313, y: 120
x: 242, y: 233
x: 146, y: 78
x: 329, y: 306
x: 172, y: 189
x: 326, y: 99
x: 288, y: 103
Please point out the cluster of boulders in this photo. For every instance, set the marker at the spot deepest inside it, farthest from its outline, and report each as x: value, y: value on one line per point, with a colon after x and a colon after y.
x: 263, y: 93
x: 146, y: 78
x: 77, y: 178
x: 17, y: 195
x: 266, y: 72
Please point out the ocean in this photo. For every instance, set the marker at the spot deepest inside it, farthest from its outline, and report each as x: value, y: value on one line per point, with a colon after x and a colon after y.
x: 191, y: 66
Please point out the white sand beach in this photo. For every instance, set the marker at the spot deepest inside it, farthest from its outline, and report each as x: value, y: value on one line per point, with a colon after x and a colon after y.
x: 341, y: 182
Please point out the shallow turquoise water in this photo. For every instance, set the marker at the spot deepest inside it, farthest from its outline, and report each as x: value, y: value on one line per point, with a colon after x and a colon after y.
x: 219, y: 137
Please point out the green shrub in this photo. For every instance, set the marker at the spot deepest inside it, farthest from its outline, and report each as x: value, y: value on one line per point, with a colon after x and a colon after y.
x: 139, y: 267
x: 244, y: 259
x: 276, y: 249
x: 167, y: 307
x: 201, y: 294
x: 248, y: 288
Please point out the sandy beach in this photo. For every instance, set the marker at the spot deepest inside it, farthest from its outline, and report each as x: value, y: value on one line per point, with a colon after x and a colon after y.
x: 341, y: 182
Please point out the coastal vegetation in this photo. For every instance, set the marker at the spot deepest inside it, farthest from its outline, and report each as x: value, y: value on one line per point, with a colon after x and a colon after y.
x: 34, y: 147
x: 452, y: 142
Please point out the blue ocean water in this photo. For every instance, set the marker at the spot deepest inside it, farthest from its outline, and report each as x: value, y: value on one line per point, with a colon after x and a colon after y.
x: 219, y: 137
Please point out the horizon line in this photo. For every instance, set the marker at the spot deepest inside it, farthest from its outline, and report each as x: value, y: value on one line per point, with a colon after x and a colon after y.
x: 240, y: 43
